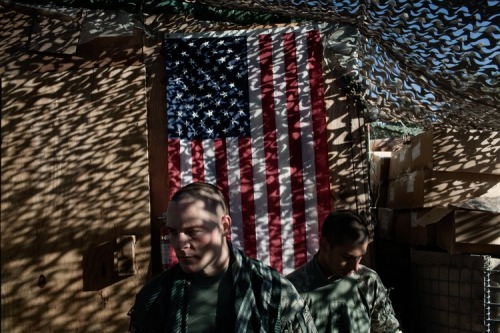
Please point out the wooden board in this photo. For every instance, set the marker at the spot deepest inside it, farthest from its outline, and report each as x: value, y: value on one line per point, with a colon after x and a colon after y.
x: 74, y: 179
x: 79, y: 168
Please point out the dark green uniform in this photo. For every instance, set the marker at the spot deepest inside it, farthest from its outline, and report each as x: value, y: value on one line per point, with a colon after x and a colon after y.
x: 358, y: 303
x: 255, y: 297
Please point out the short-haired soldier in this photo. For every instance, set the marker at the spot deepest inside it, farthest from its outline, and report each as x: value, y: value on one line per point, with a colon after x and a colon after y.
x: 343, y: 295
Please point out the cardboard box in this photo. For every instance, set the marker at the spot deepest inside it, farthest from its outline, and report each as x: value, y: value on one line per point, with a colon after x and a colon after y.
x: 384, y: 228
x: 428, y: 188
x: 379, y: 176
x: 401, y: 227
x: 483, y: 203
x: 464, y: 150
x: 379, y: 166
x: 468, y: 231
x: 421, y: 151
x: 415, y: 155
x: 400, y: 162
x: 407, y: 229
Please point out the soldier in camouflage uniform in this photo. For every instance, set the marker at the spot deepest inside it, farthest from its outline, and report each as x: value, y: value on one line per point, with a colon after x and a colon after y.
x: 344, y: 296
x: 214, y: 287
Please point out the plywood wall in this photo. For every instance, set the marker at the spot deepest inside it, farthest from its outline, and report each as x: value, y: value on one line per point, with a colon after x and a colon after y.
x: 74, y: 180
x: 84, y: 161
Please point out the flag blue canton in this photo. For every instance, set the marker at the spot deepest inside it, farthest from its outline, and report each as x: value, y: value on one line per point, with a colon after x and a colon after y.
x: 207, y: 88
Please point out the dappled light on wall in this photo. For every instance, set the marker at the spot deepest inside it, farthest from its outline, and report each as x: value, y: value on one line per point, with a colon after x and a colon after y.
x: 74, y: 182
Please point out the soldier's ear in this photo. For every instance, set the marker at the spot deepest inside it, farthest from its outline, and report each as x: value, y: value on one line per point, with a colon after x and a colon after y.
x: 226, y: 225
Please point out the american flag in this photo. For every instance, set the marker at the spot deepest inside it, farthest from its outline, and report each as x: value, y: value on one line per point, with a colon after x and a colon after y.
x: 246, y: 112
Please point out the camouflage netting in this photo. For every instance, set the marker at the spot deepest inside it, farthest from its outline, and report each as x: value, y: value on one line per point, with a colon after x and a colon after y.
x: 419, y: 61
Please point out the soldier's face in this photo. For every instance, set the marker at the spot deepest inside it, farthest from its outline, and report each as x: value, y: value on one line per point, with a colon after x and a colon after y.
x: 341, y: 260
x: 197, y: 236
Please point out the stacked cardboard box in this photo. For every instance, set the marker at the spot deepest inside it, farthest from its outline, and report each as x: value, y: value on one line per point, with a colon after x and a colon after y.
x: 430, y: 183
x: 379, y: 180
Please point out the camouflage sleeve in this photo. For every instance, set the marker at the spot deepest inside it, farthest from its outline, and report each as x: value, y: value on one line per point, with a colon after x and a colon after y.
x: 383, y: 318
x: 295, y: 316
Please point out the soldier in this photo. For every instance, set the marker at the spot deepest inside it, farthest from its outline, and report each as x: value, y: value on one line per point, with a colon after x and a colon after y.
x: 214, y: 287
x: 343, y: 295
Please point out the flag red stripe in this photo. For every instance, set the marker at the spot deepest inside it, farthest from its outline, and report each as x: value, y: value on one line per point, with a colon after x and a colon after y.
x: 174, y: 183
x: 221, y: 167
x: 197, y: 161
x: 247, y: 197
x: 270, y: 151
x: 294, y: 137
x: 220, y: 155
x: 319, y: 123
x: 174, y: 166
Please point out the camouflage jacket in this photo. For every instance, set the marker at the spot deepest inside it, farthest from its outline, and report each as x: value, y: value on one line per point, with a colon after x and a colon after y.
x: 357, y: 303
x: 264, y: 301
